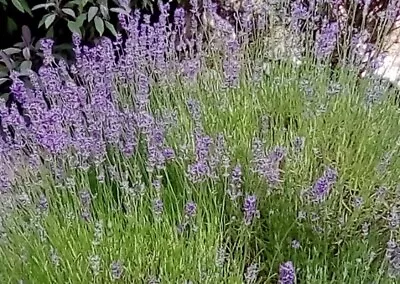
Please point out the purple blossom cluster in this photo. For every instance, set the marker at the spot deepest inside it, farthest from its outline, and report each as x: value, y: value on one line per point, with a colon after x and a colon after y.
x: 250, y: 209
x: 268, y: 165
x: 322, y: 187
x: 327, y: 40
x: 210, y: 154
x: 336, y: 25
x: 76, y: 112
x: 287, y: 273
x: 393, y: 258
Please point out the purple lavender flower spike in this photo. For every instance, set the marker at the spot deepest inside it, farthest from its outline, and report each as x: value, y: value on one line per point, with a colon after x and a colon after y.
x: 117, y: 270
x: 158, y: 206
x: 251, y: 274
x: 324, y: 184
x: 287, y: 274
x: 320, y: 189
x: 47, y: 48
x: 327, y: 40
x: 250, y: 209
x: 190, y: 209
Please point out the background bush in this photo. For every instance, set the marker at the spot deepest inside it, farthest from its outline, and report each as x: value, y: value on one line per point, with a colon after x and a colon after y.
x: 57, y: 20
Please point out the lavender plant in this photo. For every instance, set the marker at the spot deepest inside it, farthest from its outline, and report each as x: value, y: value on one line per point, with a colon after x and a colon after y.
x: 147, y: 160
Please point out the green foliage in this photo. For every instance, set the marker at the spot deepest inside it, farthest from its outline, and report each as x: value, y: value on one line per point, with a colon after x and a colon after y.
x: 79, y: 16
x: 22, y: 6
x: 88, y: 18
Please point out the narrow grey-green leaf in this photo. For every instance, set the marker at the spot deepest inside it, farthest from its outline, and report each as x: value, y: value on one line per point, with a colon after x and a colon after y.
x: 104, y: 11
x: 25, y: 66
x: 92, y: 13
x: 18, y: 5
x: 26, y: 35
x: 84, y: 2
x: 3, y: 80
x: 81, y: 19
x: 27, y: 53
x: 49, y: 20
x: 11, y: 50
x: 110, y: 27
x: 6, y: 60
x: 73, y: 27
x: 50, y: 32
x: 69, y: 12
x: 119, y: 11
x: 41, y: 23
x: 25, y: 5
x: 99, y: 24
x: 19, y: 45
x: 45, y: 6
x: 11, y: 25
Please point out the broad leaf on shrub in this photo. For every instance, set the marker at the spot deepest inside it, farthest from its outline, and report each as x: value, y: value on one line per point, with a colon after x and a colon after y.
x: 6, y: 59
x: 69, y: 12
x: 11, y: 50
x: 99, y: 24
x: 120, y: 11
x: 110, y: 27
x: 104, y: 11
x: 49, y: 20
x: 3, y: 80
x: 45, y: 6
x: 17, y: 4
x: 25, y: 66
x: 26, y: 35
x: 74, y: 27
x: 92, y: 13
x: 26, y: 53
x: 11, y: 25
x: 80, y: 20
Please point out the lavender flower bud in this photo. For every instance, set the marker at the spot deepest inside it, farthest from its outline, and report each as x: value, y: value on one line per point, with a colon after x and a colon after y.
x: 190, y: 209
x: 250, y: 209
x: 158, y: 207
x: 117, y: 270
x: 251, y: 273
x: 287, y: 273
x: 94, y: 262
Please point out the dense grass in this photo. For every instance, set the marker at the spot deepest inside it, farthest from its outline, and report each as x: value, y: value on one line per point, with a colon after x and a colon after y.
x: 117, y: 236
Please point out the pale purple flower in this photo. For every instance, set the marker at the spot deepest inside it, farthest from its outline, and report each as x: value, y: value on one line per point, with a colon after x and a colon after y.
x: 393, y: 258
x: 86, y: 215
x: 47, y: 49
x: 287, y: 274
x: 55, y: 259
x: 298, y: 144
x: 326, y: 40
x: 153, y: 280
x: 323, y: 185
x: 158, y: 206
x: 251, y: 274
x: 98, y: 232
x: 85, y: 198
x: 43, y: 203
x: 94, y: 263
x: 231, y: 64
x: 117, y: 270
x: 296, y: 244
x: 190, y: 209
x: 220, y: 257
x: 250, y: 209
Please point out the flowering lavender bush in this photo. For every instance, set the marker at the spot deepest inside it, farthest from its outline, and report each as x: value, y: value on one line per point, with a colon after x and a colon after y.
x: 166, y: 159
